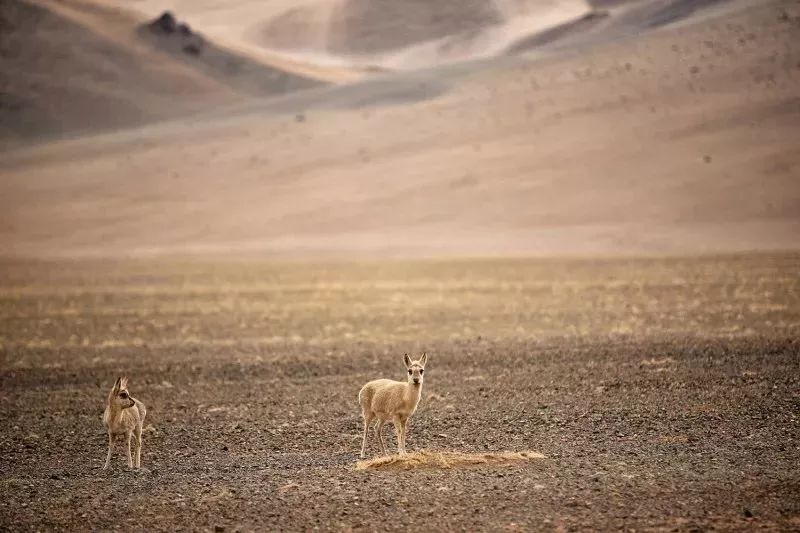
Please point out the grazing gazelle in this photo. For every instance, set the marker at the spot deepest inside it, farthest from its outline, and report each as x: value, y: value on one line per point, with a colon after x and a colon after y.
x: 385, y: 399
x: 124, y: 415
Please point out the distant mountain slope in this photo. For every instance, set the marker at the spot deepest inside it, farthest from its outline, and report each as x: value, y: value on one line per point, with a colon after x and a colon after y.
x: 362, y: 37
x: 74, y: 68
x: 243, y: 74
x: 681, y: 140
x: 413, y: 33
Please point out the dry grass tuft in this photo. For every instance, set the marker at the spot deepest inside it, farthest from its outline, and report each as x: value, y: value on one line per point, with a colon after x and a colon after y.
x: 437, y: 459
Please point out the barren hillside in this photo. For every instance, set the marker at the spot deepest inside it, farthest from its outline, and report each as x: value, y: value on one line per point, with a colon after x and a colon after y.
x: 677, y: 141
x: 71, y: 68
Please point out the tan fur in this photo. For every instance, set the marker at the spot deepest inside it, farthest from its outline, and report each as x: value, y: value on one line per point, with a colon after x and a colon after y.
x: 385, y: 399
x: 124, y: 415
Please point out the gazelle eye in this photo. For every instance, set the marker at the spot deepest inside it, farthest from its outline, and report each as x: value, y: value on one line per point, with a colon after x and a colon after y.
x: 421, y: 371
x: 123, y: 395
x: 409, y: 372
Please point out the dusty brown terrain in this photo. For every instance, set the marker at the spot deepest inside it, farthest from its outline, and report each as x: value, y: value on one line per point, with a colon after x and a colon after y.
x: 664, y: 393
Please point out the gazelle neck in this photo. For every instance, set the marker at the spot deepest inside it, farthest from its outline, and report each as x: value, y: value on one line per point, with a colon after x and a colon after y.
x: 413, y: 392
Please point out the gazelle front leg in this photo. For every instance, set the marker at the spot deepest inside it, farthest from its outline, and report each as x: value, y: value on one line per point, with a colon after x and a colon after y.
x: 130, y: 459
x: 405, y: 421
x: 398, y: 428
x: 138, y: 435
x: 110, y: 447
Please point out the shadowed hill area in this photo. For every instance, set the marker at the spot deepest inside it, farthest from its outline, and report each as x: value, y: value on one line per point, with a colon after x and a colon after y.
x: 243, y: 74
x: 73, y: 68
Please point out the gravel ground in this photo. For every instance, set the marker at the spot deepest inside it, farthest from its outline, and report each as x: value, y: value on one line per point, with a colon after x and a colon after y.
x: 665, y: 394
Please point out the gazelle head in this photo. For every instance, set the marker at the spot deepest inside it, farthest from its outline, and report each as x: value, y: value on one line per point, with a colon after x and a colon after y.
x: 119, y: 396
x: 415, y: 368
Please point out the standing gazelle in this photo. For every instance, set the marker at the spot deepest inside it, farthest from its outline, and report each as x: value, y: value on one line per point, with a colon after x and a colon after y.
x: 385, y: 399
x: 124, y: 415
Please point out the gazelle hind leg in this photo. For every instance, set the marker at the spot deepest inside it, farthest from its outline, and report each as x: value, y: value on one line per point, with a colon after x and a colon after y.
x: 379, y: 431
x: 367, y: 421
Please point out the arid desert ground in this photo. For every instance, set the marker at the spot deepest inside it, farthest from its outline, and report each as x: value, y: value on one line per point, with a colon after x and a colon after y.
x: 663, y: 393
x: 586, y: 213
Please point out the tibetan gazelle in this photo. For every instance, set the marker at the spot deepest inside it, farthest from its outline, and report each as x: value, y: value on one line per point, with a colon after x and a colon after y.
x: 385, y: 399
x: 124, y: 415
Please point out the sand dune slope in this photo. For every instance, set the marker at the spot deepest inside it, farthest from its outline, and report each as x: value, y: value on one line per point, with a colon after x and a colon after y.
x: 344, y: 39
x: 357, y: 34
x: 415, y: 33
x: 680, y: 141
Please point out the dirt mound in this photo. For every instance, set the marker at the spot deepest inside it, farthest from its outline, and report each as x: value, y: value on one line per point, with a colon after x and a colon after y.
x: 436, y: 459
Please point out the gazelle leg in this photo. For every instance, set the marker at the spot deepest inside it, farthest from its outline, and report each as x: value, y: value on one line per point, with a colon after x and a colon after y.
x: 398, y: 429
x: 406, y: 420
x: 110, y: 447
x: 379, y: 431
x: 138, y: 435
x: 130, y: 459
x: 367, y: 422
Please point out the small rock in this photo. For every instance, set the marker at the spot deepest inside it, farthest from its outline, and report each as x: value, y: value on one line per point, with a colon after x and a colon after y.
x: 748, y: 513
x: 166, y: 23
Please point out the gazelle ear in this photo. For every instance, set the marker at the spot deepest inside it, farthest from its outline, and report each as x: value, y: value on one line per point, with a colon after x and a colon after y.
x: 117, y: 384
x: 407, y: 360
x: 123, y: 383
x: 424, y: 358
